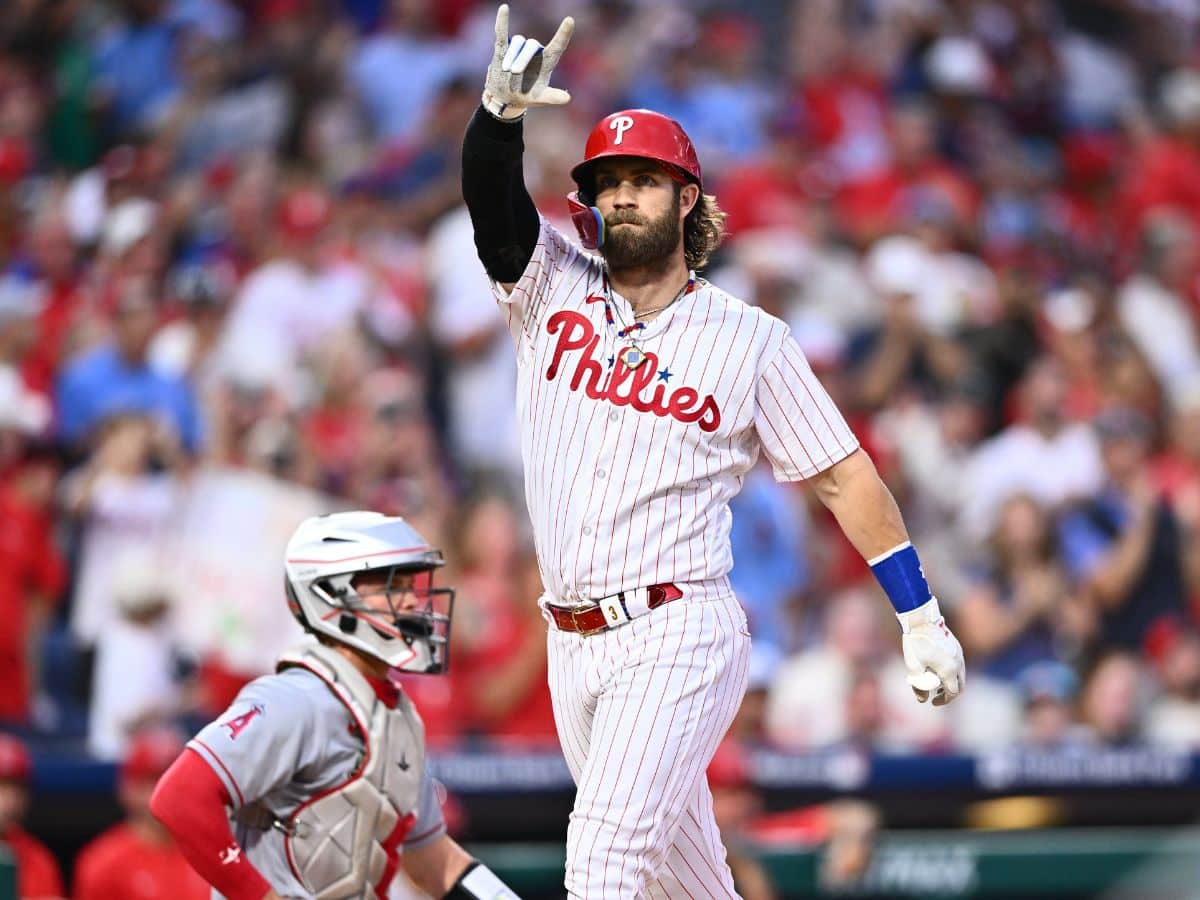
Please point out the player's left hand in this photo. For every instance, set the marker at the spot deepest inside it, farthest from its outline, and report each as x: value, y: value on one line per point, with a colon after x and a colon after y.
x: 936, y: 668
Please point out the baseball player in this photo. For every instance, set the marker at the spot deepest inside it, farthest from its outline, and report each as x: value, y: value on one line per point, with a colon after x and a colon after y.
x: 644, y: 396
x: 320, y: 767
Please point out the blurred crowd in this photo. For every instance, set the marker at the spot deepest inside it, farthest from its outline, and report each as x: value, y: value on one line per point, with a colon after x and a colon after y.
x: 238, y: 286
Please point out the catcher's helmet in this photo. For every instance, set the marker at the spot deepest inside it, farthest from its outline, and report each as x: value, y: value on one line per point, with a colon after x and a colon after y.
x: 630, y: 132
x: 325, y: 554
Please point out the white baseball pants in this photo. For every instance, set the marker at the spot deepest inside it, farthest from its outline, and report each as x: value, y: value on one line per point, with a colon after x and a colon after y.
x: 640, y: 710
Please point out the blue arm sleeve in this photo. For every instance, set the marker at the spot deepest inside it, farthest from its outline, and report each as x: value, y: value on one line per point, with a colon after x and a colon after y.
x: 900, y: 574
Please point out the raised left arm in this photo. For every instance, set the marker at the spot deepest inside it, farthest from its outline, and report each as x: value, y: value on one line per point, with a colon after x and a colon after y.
x: 866, y: 511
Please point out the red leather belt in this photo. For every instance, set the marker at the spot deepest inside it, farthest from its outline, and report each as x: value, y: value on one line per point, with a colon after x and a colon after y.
x: 591, y: 619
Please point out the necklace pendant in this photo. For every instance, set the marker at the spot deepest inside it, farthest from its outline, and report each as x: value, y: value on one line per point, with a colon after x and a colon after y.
x: 632, y: 357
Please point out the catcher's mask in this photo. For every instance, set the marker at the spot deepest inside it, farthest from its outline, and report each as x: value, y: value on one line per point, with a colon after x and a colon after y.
x: 395, y: 615
x: 631, y: 132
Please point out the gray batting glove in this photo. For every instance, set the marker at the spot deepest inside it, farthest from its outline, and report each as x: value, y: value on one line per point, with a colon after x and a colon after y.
x: 519, y: 74
x: 932, y: 655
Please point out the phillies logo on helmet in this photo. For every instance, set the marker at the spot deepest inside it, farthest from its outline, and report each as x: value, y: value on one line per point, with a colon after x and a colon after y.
x: 620, y: 124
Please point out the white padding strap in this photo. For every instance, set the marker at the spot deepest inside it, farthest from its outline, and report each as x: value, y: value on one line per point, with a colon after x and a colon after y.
x: 482, y: 882
x: 922, y: 615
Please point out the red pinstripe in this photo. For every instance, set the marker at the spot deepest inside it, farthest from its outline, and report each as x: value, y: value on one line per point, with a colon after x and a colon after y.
x: 714, y: 723
x: 695, y: 498
x: 671, y: 729
x: 637, y: 716
x: 641, y: 478
x: 695, y: 506
x: 686, y: 377
x: 783, y: 445
x: 699, y: 855
x: 546, y: 499
x: 800, y: 406
x: 685, y: 890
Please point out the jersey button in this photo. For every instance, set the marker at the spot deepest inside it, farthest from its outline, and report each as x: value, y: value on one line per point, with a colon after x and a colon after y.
x: 613, y: 416
x: 600, y: 473
x: 587, y: 529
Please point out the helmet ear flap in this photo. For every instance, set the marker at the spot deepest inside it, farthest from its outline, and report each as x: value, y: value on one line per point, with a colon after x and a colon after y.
x: 294, y: 606
x: 587, y: 220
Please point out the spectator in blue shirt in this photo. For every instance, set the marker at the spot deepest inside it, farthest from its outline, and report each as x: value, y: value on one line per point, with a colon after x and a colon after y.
x: 134, y: 65
x: 769, y: 563
x: 720, y: 99
x: 1124, y: 545
x: 1020, y: 605
x: 408, y: 51
x: 116, y: 377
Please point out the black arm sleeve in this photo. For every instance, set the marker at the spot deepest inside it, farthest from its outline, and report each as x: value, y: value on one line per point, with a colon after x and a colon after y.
x: 493, y: 185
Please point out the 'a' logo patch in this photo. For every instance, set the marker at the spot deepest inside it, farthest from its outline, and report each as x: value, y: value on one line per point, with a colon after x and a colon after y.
x: 238, y: 723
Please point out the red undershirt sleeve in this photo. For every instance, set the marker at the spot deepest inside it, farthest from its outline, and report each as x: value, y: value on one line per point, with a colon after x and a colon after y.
x: 191, y: 802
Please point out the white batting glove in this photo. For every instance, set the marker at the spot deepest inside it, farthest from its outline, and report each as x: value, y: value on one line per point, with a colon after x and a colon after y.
x: 932, y: 654
x: 519, y: 74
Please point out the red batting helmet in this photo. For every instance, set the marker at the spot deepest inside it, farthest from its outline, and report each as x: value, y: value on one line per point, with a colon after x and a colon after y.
x: 638, y: 132
x: 630, y: 132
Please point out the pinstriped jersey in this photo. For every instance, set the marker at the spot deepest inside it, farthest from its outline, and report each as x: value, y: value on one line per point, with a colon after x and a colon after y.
x: 629, y: 471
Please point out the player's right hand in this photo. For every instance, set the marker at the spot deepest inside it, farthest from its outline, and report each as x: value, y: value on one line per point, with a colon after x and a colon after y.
x: 932, y: 655
x: 519, y: 74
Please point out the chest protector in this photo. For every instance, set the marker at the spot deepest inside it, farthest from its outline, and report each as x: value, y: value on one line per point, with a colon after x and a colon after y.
x: 343, y: 842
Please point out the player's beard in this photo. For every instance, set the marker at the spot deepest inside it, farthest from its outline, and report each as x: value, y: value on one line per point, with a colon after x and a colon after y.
x: 629, y: 248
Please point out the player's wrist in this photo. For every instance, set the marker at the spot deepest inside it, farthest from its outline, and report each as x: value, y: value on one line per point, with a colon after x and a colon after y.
x: 899, y: 573
x: 478, y: 882
x: 505, y: 112
x: 927, y: 613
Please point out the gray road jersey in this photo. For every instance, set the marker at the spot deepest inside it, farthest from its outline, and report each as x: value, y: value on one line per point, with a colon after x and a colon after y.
x: 285, y: 739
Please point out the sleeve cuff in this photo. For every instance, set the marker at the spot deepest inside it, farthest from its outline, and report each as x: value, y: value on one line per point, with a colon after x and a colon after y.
x: 491, y: 138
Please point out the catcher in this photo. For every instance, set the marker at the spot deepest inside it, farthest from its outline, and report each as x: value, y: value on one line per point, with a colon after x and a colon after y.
x: 314, y: 781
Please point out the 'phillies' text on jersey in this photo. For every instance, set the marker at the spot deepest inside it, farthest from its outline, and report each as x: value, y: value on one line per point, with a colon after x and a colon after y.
x: 575, y: 331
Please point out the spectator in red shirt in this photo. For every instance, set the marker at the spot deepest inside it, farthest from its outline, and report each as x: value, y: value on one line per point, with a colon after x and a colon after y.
x: 38, y: 876
x: 1177, y: 469
x: 54, y: 269
x: 137, y: 858
x: 504, y: 663
x: 1165, y: 169
x: 875, y: 205
x: 1080, y: 210
x: 32, y: 574
x: 777, y: 189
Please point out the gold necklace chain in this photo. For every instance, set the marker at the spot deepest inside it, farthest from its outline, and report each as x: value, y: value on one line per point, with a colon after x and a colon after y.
x: 647, y: 312
x: 632, y: 356
x: 641, y: 315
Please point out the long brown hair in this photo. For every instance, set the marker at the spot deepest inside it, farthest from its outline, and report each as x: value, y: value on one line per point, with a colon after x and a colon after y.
x: 703, y: 231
